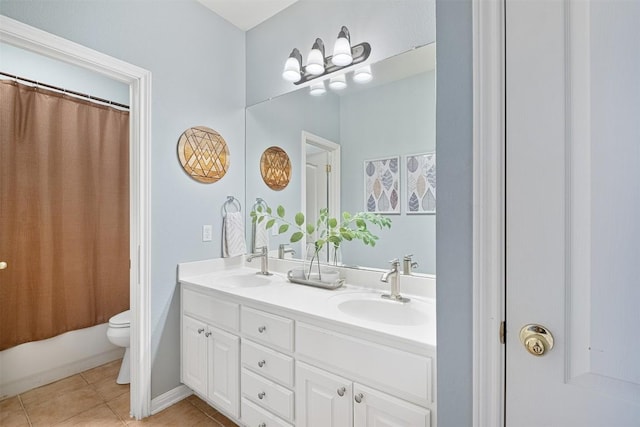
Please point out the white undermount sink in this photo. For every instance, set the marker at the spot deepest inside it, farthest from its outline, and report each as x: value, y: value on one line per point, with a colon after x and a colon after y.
x: 371, y: 307
x: 244, y: 280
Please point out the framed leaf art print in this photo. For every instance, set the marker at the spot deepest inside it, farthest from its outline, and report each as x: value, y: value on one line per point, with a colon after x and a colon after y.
x: 382, y: 185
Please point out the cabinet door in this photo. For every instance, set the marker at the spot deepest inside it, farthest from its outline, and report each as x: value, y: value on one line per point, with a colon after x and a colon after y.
x: 374, y: 408
x: 322, y: 399
x: 194, y: 355
x: 224, y: 370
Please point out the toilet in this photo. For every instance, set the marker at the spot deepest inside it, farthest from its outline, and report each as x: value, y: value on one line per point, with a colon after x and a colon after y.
x: 119, y: 334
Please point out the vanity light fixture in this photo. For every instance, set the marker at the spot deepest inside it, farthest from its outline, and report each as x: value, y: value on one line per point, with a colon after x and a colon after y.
x: 344, y: 55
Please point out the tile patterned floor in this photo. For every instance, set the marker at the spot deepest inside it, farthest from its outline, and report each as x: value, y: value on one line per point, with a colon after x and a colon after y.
x: 92, y: 398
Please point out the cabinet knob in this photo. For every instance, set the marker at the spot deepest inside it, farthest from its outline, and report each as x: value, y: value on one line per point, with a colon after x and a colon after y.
x: 207, y: 334
x: 358, y: 397
x: 262, y: 425
x: 201, y: 330
x: 262, y: 363
x: 341, y: 391
x: 261, y: 395
x: 261, y: 329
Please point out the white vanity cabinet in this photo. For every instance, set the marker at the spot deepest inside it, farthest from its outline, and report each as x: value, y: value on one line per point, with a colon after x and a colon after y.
x: 267, y: 366
x: 209, y: 355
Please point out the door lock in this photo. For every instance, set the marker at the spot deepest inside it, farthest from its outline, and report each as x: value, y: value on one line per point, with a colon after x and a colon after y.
x: 536, y: 339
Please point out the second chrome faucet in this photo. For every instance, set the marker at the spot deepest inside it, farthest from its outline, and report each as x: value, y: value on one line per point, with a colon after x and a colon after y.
x: 393, y: 277
x: 264, y: 260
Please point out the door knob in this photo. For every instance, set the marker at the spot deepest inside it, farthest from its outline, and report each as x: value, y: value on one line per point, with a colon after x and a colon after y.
x: 536, y: 339
x: 3, y: 265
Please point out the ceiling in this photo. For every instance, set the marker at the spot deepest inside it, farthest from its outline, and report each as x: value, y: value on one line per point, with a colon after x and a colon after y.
x: 246, y: 14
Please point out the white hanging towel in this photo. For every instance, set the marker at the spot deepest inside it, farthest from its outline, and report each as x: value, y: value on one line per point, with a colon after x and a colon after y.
x: 261, y: 236
x: 233, y: 243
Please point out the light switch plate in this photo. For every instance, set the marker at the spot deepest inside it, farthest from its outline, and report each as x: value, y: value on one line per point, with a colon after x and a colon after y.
x: 207, y: 233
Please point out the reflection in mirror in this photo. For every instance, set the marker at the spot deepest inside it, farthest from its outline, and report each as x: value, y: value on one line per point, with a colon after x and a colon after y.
x: 393, y: 115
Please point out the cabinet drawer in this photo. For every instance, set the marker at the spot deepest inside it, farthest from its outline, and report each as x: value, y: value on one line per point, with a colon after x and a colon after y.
x: 404, y: 374
x: 267, y: 394
x: 267, y: 362
x: 275, y: 331
x: 212, y: 310
x: 255, y: 416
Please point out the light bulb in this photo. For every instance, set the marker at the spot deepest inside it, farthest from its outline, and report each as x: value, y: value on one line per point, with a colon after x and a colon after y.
x: 317, y: 89
x: 338, y: 82
x: 291, y: 71
x: 315, y: 59
x: 315, y: 62
x: 342, y: 52
x: 363, y: 75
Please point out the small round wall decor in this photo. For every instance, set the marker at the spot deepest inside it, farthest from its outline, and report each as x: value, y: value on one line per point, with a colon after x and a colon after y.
x: 203, y: 154
x: 275, y: 168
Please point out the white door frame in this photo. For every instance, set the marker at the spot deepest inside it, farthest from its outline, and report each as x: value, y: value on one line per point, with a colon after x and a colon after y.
x: 333, y: 151
x: 139, y: 80
x: 488, y: 211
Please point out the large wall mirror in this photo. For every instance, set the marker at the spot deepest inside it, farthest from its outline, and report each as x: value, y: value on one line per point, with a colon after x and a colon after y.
x: 390, y: 117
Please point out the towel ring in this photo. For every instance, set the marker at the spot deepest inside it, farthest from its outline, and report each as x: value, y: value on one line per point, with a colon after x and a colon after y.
x: 260, y: 202
x: 232, y: 201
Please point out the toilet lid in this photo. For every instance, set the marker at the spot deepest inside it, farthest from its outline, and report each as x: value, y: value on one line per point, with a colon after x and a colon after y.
x: 121, y: 320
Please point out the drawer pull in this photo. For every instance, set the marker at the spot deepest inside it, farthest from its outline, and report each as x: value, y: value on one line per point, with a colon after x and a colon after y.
x: 207, y: 334
x: 262, y: 425
x: 261, y: 395
x: 358, y: 397
x: 261, y: 329
x: 201, y: 330
x: 261, y: 363
x: 341, y: 391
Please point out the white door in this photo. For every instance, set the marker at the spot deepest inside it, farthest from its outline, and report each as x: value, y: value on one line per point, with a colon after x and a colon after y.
x: 573, y: 211
x: 376, y: 409
x: 223, y: 351
x: 322, y: 399
x: 194, y: 355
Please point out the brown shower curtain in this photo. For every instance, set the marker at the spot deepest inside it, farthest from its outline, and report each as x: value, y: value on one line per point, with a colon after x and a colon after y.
x: 64, y: 213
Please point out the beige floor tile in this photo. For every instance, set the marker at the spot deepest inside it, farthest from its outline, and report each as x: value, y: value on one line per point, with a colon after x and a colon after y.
x: 226, y: 422
x: 100, y: 416
x: 202, y: 405
x: 15, y: 418
x: 63, y: 407
x: 109, y: 389
x: 52, y: 390
x: 121, y: 405
x: 109, y: 370
x: 181, y: 414
x: 10, y: 404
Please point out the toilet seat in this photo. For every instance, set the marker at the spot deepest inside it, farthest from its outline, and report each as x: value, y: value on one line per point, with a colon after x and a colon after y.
x: 121, y: 320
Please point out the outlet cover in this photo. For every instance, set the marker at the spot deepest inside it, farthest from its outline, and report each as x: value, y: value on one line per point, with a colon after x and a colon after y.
x: 207, y: 233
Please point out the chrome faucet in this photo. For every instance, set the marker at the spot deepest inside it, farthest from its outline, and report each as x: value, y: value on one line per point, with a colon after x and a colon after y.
x: 408, y: 264
x: 393, y: 275
x: 264, y: 260
x: 283, y: 249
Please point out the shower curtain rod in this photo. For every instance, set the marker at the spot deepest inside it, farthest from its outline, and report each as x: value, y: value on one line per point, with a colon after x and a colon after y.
x: 71, y: 92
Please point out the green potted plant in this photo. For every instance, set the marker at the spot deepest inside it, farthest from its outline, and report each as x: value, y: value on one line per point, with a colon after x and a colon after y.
x: 326, y: 230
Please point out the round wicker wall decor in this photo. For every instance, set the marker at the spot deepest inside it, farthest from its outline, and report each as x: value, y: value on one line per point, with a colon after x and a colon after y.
x: 203, y: 154
x: 275, y: 168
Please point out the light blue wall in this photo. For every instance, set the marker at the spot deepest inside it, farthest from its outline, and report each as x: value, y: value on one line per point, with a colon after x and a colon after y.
x: 30, y: 65
x: 197, y: 60
x: 390, y: 26
x: 395, y: 119
x: 454, y: 125
x: 280, y: 121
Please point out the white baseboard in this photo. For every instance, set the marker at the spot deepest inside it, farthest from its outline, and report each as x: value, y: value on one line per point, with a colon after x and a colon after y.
x: 169, y: 398
x: 57, y: 373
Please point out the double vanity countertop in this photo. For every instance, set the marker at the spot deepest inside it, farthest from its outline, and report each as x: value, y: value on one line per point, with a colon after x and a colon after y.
x: 412, y: 324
